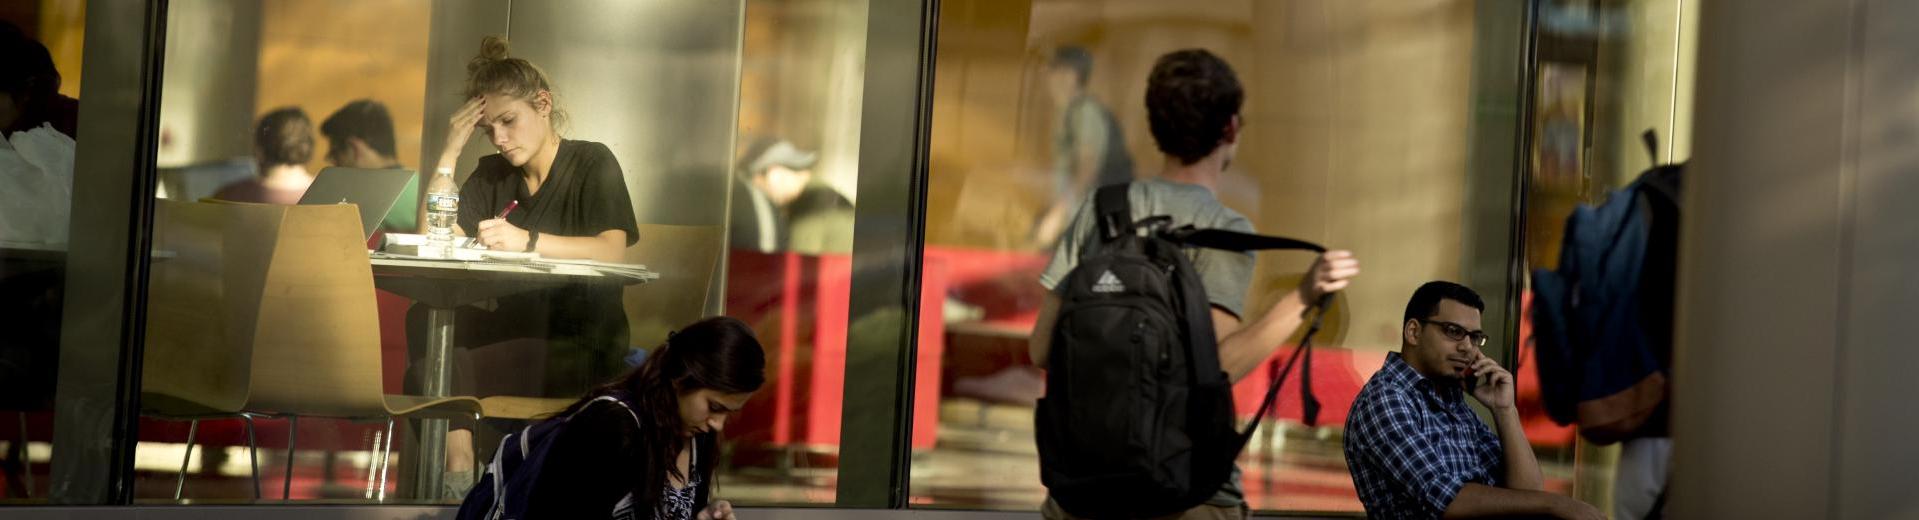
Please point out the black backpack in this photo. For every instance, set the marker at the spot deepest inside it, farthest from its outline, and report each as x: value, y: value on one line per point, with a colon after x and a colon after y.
x: 503, y: 489
x: 1137, y: 420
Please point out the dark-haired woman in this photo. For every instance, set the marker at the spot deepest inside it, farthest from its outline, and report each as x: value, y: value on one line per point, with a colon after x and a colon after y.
x: 651, y: 454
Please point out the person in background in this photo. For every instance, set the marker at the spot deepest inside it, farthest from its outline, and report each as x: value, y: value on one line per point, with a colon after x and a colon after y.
x: 36, y: 178
x: 572, y: 204
x: 1089, y: 148
x: 651, y: 452
x: 36, y: 143
x: 1416, y: 450
x: 1193, y: 100
x: 282, y: 143
x: 360, y: 135
x: 780, y: 205
x: 32, y: 87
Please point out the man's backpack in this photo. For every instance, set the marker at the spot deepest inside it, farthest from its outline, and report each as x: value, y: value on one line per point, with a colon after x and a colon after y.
x: 502, y: 491
x: 1137, y: 420
x: 1602, y: 321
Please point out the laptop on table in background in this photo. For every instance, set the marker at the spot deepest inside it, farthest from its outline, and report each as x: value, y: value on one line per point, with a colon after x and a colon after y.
x: 374, y: 191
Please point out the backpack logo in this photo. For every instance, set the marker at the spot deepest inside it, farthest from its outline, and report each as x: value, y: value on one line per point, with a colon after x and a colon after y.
x: 1108, y: 283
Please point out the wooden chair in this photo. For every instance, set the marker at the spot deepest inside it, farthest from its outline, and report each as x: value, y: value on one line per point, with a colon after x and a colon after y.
x: 296, y: 331
x: 687, y: 257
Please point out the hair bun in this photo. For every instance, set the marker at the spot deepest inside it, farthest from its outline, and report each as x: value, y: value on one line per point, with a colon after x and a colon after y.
x: 493, y: 49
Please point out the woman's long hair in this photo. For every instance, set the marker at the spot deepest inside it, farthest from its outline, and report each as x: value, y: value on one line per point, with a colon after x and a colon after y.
x: 718, y: 353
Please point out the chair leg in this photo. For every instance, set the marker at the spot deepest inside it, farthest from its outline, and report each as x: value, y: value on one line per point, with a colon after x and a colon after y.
x: 386, y: 458
x: 293, y: 430
x: 26, y: 457
x: 180, y: 483
x: 253, y: 455
x: 372, y: 464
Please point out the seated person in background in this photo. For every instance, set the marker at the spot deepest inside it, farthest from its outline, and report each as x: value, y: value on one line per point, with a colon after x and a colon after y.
x: 572, y: 204
x: 360, y: 135
x: 1417, y: 451
x: 779, y: 205
x: 32, y: 87
x: 36, y: 143
x: 650, y: 452
x: 283, y: 142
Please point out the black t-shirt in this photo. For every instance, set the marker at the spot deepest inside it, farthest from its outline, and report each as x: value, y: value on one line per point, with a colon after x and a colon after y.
x: 583, y: 195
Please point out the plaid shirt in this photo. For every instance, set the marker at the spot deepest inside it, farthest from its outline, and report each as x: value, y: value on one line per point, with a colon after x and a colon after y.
x: 1411, y: 444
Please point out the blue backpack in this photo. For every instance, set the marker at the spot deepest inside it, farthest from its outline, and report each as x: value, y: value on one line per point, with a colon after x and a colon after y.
x: 500, y: 493
x: 1602, y: 321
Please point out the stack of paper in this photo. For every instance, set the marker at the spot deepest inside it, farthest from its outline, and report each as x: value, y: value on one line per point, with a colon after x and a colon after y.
x: 567, y: 265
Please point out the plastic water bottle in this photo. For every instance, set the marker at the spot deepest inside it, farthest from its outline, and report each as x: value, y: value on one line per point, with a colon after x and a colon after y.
x: 442, y: 213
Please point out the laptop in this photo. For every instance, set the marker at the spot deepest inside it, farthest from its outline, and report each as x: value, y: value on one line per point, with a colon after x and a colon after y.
x: 374, y: 191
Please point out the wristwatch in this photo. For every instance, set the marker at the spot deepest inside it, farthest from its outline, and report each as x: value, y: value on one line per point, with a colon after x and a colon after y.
x: 532, y: 239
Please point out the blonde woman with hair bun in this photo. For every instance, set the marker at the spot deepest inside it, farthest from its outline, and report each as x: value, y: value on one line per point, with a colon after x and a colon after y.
x: 569, y: 200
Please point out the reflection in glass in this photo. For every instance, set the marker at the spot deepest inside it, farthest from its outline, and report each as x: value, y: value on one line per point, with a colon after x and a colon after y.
x: 1356, y: 136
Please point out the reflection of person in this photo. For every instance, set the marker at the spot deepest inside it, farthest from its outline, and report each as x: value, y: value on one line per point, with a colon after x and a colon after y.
x: 1193, y: 100
x: 650, y: 453
x: 572, y: 204
x: 781, y: 205
x: 360, y: 135
x: 1089, y: 150
x: 1413, y: 446
x: 283, y: 143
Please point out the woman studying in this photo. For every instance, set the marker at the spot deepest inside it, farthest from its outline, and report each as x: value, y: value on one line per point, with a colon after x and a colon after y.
x: 567, y: 199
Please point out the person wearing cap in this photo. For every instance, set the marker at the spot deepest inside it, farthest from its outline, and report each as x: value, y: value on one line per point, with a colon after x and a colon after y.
x: 1089, y: 148
x: 360, y: 135
x: 780, y: 205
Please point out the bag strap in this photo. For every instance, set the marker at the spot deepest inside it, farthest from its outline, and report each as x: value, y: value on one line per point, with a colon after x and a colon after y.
x: 1308, y: 401
x: 1114, y: 212
x: 1237, y: 241
x: 1115, y: 216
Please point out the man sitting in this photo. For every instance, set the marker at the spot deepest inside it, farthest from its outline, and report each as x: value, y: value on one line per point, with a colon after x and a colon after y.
x: 1417, y: 451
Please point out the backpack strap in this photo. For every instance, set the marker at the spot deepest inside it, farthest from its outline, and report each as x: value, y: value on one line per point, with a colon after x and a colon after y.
x: 1114, y: 211
x: 623, y: 405
x: 1309, y: 402
x: 1237, y: 241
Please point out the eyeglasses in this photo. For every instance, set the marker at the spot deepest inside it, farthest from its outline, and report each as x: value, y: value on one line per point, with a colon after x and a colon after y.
x: 1458, y: 332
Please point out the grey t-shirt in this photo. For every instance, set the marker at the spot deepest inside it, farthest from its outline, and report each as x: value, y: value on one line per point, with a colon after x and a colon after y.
x: 1087, y: 124
x: 1225, y: 274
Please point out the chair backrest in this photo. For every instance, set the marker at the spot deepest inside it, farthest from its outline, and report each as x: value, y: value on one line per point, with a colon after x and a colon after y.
x: 687, y: 257
x: 316, y: 340
x: 204, y: 286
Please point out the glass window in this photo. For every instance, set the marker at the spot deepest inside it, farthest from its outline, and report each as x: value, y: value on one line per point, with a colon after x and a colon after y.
x: 622, y: 170
x: 1388, y: 129
x: 1607, y: 72
x: 39, y: 111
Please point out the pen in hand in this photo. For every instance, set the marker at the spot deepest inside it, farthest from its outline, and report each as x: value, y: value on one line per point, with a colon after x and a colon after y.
x: 503, y: 212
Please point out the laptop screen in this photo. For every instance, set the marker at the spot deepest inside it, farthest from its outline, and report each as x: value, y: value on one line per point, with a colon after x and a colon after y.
x: 374, y: 191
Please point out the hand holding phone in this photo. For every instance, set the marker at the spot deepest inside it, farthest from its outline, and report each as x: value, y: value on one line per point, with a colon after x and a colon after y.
x: 1490, y: 383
